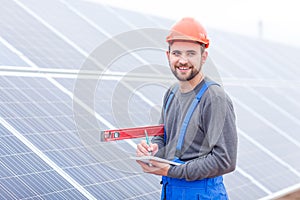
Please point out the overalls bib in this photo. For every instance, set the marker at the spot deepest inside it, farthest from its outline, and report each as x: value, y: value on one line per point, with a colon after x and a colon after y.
x: 180, y: 189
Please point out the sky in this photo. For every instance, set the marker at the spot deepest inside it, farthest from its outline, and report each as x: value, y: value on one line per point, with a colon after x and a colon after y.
x: 280, y: 18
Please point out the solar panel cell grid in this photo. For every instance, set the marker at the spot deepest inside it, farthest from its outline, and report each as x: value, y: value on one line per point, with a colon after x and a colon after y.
x: 262, y: 166
x: 35, y: 41
x: 77, y: 28
x: 64, y: 194
x: 24, y: 174
x: 113, y: 24
x: 7, y: 58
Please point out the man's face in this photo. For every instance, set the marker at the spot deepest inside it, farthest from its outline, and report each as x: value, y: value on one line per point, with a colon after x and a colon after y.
x: 186, y: 59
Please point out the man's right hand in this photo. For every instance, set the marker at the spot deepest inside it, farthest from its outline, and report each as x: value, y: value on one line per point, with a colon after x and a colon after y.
x: 143, y: 149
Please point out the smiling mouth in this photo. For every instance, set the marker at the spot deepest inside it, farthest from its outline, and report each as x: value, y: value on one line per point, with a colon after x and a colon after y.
x: 183, y: 68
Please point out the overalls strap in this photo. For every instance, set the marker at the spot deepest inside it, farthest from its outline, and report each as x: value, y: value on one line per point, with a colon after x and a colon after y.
x: 188, y: 117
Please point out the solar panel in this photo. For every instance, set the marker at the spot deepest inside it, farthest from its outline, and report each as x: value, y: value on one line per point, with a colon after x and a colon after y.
x: 52, y: 137
x: 34, y: 39
x: 59, y: 88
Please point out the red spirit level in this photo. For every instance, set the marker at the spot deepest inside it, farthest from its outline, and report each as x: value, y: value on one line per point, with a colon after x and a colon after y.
x: 130, y: 133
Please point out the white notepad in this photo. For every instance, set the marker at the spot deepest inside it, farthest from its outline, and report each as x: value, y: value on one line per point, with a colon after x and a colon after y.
x: 147, y: 159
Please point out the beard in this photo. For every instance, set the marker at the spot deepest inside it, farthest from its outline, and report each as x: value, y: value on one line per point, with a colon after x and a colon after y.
x: 186, y: 76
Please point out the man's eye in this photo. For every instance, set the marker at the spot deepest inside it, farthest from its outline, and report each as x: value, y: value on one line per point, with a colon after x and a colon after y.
x: 176, y: 53
x: 190, y: 54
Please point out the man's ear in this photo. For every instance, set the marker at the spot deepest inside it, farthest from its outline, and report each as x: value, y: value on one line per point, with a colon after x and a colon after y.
x: 168, y: 55
x: 204, y: 57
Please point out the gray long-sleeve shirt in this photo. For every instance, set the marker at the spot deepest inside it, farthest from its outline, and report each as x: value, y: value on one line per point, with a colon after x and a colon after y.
x: 210, y: 143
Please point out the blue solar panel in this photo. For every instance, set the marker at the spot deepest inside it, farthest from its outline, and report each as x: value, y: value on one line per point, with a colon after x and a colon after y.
x: 54, y: 134
x: 8, y: 58
x: 35, y: 41
x: 239, y: 186
x: 24, y: 174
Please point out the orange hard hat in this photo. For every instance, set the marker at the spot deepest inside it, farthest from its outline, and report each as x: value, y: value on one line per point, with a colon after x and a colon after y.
x: 188, y: 29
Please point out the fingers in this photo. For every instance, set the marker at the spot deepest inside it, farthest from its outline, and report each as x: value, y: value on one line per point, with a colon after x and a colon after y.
x: 154, y: 167
x: 143, y: 149
x: 147, y: 167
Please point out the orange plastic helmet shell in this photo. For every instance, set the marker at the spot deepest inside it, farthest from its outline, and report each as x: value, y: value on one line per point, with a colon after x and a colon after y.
x: 188, y: 29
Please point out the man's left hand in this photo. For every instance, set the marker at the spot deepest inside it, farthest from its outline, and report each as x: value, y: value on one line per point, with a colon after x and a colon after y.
x: 155, y: 167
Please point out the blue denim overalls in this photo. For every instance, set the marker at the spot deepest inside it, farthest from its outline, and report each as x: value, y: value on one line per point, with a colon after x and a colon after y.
x: 180, y: 189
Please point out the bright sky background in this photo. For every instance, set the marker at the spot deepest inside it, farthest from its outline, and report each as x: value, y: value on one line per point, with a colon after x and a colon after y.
x: 280, y: 18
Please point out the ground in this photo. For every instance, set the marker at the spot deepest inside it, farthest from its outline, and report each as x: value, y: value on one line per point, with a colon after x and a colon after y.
x: 292, y: 196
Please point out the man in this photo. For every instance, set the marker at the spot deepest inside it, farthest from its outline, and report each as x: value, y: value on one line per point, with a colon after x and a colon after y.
x: 199, y: 122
